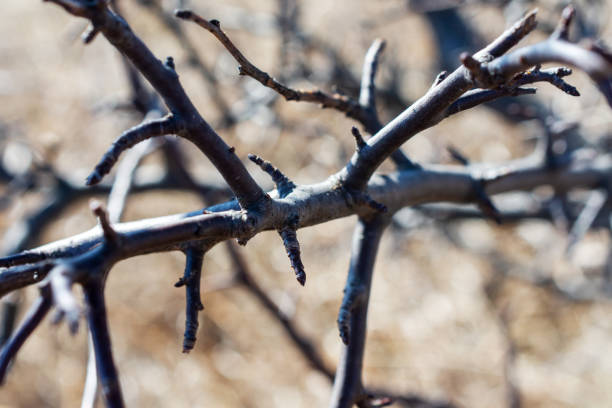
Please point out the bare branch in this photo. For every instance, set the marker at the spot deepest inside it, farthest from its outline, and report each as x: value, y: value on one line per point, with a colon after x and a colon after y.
x: 147, y: 129
x: 76, y: 7
x: 348, y: 388
x: 562, y: 30
x: 552, y: 75
x: 98, y: 327
x: 284, y: 185
x: 194, y: 60
x: 191, y: 280
x: 425, y: 112
x: 166, y: 83
x: 90, y: 389
x: 479, y: 96
x: 124, y: 179
x: 314, y: 203
x: 428, y: 110
x: 597, y: 199
x: 510, y: 37
x: 246, y: 279
x: 336, y: 101
x: 498, y: 71
x: 367, y: 94
x: 36, y: 314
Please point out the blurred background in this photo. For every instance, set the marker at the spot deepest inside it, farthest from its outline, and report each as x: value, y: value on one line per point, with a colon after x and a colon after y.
x: 463, y: 312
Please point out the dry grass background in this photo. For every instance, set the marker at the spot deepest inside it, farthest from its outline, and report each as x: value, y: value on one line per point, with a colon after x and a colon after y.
x: 432, y: 328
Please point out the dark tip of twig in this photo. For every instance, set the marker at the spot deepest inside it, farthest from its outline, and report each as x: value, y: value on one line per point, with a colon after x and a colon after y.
x: 283, y: 184
x: 292, y: 247
x: 93, y: 179
x: 89, y: 34
x: 571, y: 90
x: 457, y: 156
x: 170, y: 63
x: 358, y: 138
x: 184, y: 14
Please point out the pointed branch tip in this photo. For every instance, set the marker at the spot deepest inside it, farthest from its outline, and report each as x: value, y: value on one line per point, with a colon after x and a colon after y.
x: 145, y: 130
x: 358, y: 138
x: 100, y: 212
x: 184, y: 14
x: 283, y: 184
x: 562, y: 30
x: 292, y: 247
x: 193, y: 302
x: 458, y: 156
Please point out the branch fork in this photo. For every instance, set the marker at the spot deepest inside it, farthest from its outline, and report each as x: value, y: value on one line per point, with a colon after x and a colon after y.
x: 86, y: 262
x: 284, y: 187
x: 361, y: 200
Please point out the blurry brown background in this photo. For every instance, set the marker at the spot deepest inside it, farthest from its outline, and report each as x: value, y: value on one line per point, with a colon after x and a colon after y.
x: 442, y: 320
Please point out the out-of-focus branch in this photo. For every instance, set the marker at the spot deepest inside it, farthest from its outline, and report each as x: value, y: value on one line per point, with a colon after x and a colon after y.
x: 98, y: 326
x: 348, y: 387
x: 245, y: 278
x: 367, y: 99
x: 36, y: 314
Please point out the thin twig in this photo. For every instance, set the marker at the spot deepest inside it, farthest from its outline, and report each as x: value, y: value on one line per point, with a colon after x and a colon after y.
x: 146, y: 130
x: 336, y: 101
